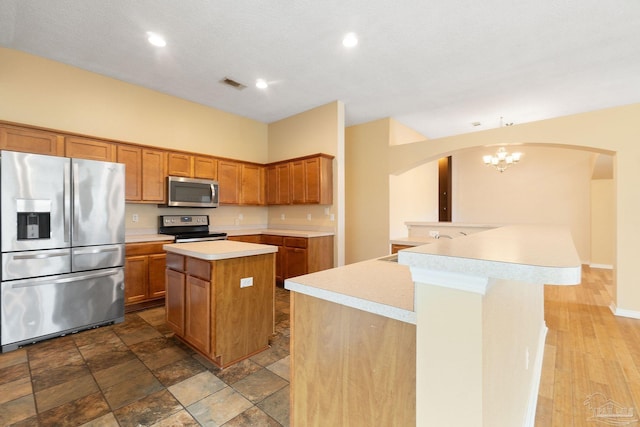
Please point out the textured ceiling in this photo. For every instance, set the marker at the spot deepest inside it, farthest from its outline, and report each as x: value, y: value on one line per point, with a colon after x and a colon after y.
x: 434, y: 65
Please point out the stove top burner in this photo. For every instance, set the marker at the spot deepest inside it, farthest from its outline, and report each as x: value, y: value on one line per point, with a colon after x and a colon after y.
x: 188, y: 228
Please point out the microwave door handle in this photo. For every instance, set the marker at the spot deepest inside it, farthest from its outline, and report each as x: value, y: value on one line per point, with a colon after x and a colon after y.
x: 66, y: 201
x: 213, y: 192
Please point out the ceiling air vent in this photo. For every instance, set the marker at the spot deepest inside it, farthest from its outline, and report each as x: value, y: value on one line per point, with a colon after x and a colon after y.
x: 234, y: 84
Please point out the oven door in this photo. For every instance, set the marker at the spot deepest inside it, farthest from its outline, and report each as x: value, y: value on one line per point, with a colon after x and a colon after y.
x: 190, y: 192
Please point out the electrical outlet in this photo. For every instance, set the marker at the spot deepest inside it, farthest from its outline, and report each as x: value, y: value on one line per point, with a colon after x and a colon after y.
x: 308, y: 217
x: 245, y: 282
x: 134, y: 218
x: 326, y: 211
x: 332, y: 217
x: 240, y: 217
x: 281, y: 217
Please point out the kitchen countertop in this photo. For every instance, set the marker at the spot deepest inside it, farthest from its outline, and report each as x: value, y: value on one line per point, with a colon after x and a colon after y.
x: 413, y: 241
x: 219, y: 249
x: 533, y: 254
x: 139, y: 236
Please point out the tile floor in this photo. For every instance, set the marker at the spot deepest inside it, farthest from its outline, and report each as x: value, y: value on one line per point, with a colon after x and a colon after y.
x: 136, y: 374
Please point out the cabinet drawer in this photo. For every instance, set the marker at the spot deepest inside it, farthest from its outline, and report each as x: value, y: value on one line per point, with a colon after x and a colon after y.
x: 175, y: 261
x: 296, y: 242
x: 199, y: 268
x: 134, y: 249
x: 271, y: 240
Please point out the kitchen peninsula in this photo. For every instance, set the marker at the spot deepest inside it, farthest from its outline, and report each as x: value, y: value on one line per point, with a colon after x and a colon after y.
x: 220, y: 297
x: 456, y: 325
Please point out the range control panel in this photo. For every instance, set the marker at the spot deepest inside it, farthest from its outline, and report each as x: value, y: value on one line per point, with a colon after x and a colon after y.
x: 183, y: 220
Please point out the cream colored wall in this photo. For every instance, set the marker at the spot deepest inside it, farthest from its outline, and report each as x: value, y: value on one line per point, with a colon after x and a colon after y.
x: 367, y: 191
x: 549, y: 186
x: 602, y: 220
x: 41, y: 92
x: 613, y: 131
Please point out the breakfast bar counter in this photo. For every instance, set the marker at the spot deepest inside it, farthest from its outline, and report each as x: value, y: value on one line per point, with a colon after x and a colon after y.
x: 457, y: 325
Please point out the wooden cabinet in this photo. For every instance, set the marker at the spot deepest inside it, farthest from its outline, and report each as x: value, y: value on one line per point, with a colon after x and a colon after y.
x: 312, y: 180
x: 229, y: 182
x: 268, y: 239
x: 249, y: 238
x: 251, y: 184
x: 31, y: 140
x: 179, y: 164
x: 154, y: 176
x: 144, y: 272
x: 395, y: 248
x: 132, y: 158
x: 278, y: 184
x: 207, y: 308
x: 205, y: 167
x: 85, y: 148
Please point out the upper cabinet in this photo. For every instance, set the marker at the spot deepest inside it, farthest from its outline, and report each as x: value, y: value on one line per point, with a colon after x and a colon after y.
x: 205, y: 167
x: 154, y: 176
x: 251, y: 184
x: 180, y: 164
x: 278, y: 184
x: 229, y: 182
x: 85, y: 148
x: 132, y: 158
x: 312, y: 180
x: 31, y: 140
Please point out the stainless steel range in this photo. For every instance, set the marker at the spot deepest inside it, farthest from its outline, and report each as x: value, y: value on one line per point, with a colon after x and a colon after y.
x: 188, y: 228
x: 62, y: 225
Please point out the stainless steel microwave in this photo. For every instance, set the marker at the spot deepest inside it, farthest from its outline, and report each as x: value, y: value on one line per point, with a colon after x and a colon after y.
x: 192, y: 192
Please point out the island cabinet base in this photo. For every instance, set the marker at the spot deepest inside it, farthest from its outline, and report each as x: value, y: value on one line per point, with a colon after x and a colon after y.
x: 350, y: 367
x: 208, y: 309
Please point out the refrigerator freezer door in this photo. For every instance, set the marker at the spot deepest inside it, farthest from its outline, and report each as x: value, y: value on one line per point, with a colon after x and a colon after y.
x: 95, y: 257
x: 37, y: 184
x: 21, y: 265
x: 45, y: 307
x: 98, y: 203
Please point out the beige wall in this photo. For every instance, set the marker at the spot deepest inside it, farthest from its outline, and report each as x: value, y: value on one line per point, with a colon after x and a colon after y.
x: 41, y: 92
x: 613, y: 131
x: 602, y: 219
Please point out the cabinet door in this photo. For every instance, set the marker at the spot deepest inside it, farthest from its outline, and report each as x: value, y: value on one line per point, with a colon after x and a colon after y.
x: 277, y: 188
x: 297, y: 182
x: 84, y: 148
x: 295, y: 262
x: 276, y: 241
x: 180, y: 165
x: 153, y: 176
x: 175, y: 300
x: 132, y: 159
x: 250, y: 238
x: 31, y: 141
x: 229, y: 181
x: 252, y: 184
x: 157, y: 265
x: 198, y: 314
x: 135, y: 278
x: 312, y: 180
x: 205, y: 167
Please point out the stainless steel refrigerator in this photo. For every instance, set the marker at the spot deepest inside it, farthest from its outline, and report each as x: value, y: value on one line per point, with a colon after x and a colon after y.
x: 62, y: 244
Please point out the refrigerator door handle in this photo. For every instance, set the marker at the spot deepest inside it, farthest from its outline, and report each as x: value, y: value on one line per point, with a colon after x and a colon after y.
x: 58, y: 279
x: 76, y: 200
x: 41, y: 255
x: 87, y: 251
x: 66, y: 202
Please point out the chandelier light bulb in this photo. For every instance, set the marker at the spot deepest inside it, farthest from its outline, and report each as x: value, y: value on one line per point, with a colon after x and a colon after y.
x: 502, y: 159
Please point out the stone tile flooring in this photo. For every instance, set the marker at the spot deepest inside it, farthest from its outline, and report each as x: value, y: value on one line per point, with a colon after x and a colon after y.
x: 136, y: 374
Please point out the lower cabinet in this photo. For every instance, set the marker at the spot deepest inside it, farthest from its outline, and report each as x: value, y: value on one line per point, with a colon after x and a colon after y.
x: 395, y: 247
x: 144, y: 280
x: 300, y: 255
x: 208, y: 308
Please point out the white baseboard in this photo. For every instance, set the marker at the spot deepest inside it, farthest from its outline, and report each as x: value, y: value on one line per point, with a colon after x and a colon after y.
x: 603, y: 266
x: 530, y: 419
x: 623, y: 312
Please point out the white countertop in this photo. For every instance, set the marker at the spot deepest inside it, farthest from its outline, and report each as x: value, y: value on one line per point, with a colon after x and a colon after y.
x: 413, y: 241
x: 219, y: 249
x: 278, y: 232
x: 140, y: 238
x: 527, y: 253
x: 376, y: 286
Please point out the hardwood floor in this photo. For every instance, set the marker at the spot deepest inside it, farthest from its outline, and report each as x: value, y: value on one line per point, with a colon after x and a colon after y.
x: 591, y: 367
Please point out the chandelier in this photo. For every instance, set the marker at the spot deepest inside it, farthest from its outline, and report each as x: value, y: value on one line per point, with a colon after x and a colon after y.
x: 502, y: 160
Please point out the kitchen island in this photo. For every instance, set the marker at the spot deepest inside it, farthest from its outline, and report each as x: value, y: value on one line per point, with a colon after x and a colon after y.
x: 456, y: 326
x: 220, y: 297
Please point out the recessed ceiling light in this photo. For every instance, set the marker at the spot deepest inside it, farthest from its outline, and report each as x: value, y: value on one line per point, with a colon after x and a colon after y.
x: 156, y: 39
x: 261, y: 84
x: 350, y: 40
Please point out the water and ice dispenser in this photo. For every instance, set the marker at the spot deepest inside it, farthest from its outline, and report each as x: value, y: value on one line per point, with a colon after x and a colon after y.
x: 34, y: 219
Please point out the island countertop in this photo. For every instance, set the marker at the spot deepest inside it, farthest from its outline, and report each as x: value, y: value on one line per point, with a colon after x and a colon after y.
x: 219, y: 249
